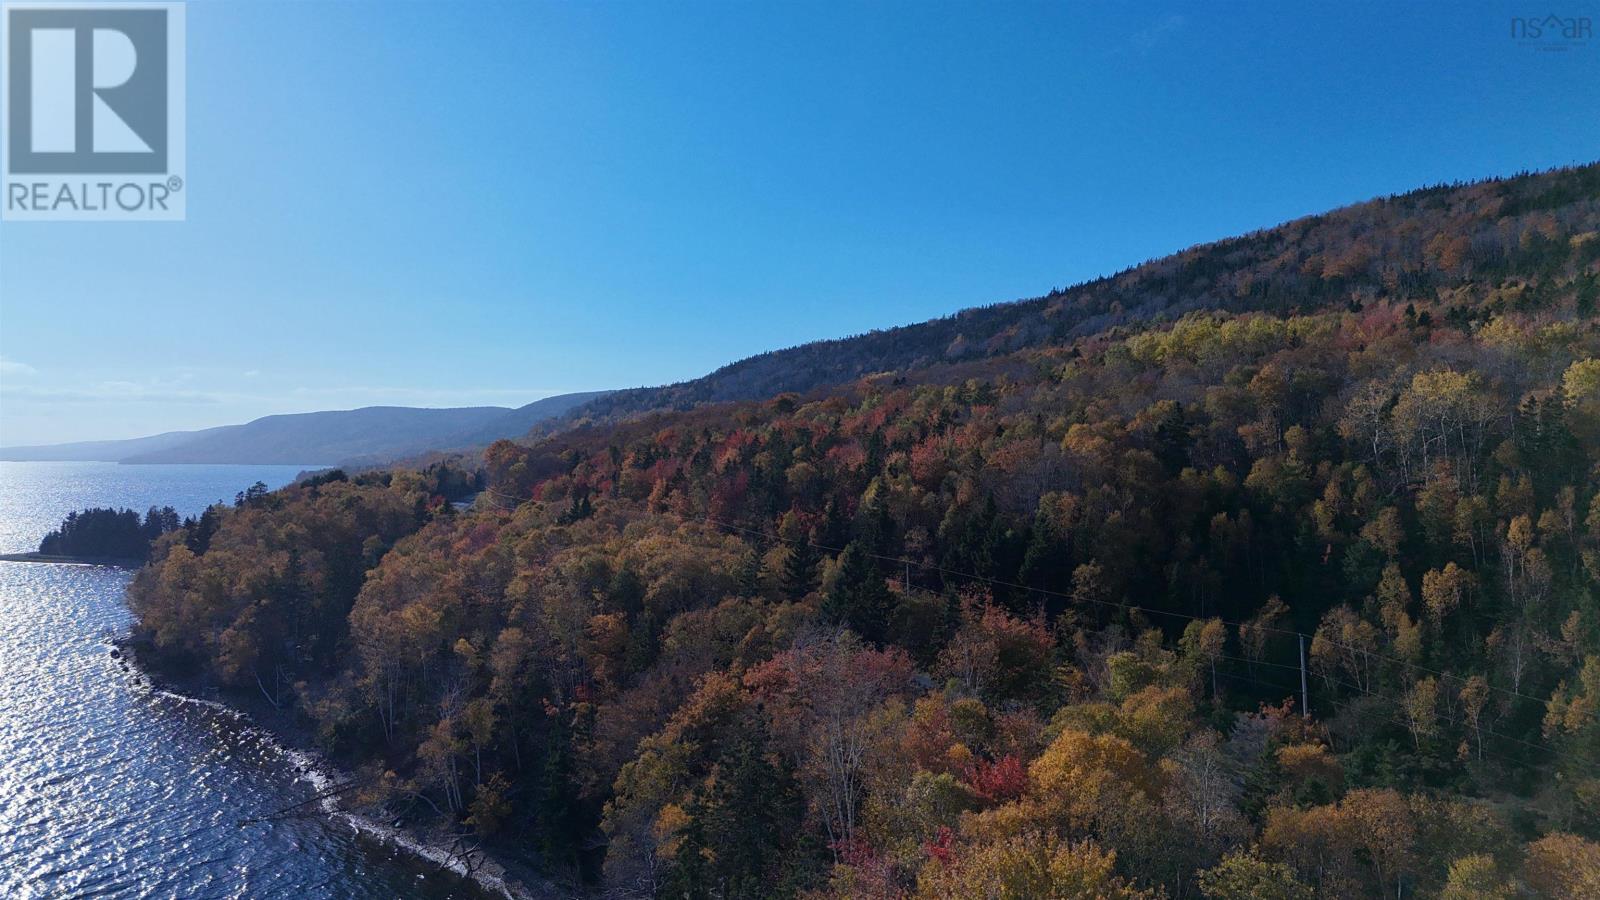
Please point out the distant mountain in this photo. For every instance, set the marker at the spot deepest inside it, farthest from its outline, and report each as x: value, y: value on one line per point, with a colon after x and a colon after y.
x: 371, y: 434
x: 327, y: 437
x: 100, y: 451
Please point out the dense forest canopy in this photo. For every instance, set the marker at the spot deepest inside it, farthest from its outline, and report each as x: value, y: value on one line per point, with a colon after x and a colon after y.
x: 1029, y: 622
x: 107, y: 533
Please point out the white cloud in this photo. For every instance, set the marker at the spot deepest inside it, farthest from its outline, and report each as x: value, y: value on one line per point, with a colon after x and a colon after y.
x: 16, y: 369
x: 109, y: 392
x: 181, y: 390
x: 1150, y: 37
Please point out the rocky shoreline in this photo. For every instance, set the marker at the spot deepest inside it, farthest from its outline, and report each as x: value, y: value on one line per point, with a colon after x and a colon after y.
x: 328, y: 783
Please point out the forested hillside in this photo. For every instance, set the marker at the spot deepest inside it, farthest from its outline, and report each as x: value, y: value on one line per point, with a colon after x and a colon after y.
x: 1413, y: 245
x: 1022, y: 618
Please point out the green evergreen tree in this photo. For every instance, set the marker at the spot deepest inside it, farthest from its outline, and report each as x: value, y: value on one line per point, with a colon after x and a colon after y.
x: 800, y: 571
x: 859, y: 598
x: 740, y: 827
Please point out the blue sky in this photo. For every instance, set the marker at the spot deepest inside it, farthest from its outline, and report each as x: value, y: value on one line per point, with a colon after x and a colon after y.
x: 463, y: 203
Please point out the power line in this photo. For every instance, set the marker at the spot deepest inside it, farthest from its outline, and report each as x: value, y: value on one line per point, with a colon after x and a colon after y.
x: 1260, y: 662
x: 1288, y: 690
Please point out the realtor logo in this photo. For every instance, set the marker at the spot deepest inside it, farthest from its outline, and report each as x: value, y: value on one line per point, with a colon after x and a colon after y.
x: 94, y: 111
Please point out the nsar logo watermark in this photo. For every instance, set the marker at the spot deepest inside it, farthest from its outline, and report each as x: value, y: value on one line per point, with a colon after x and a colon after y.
x: 1552, y: 33
x: 93, y: 99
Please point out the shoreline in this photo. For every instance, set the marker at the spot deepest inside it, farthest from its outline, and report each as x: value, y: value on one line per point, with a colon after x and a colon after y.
x: 60, y: 560
x: 327, y: 782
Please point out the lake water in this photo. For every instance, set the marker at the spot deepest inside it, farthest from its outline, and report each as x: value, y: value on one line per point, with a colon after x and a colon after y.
x: 110, y: 788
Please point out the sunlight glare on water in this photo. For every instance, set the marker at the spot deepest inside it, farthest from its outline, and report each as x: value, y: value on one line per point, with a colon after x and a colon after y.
x: 111, y: 788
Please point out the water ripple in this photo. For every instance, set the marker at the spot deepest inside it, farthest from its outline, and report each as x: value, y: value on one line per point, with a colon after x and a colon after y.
x: 110, y: 788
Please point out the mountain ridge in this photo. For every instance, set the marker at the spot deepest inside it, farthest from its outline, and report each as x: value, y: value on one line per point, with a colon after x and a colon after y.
x: 365, y: 435
x: 1358, y: 249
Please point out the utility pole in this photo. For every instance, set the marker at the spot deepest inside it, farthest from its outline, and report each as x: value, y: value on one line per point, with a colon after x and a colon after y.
x: 1305, y: 695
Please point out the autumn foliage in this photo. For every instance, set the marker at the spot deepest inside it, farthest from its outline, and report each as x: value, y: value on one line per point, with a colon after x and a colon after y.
x: 1019, y: 615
